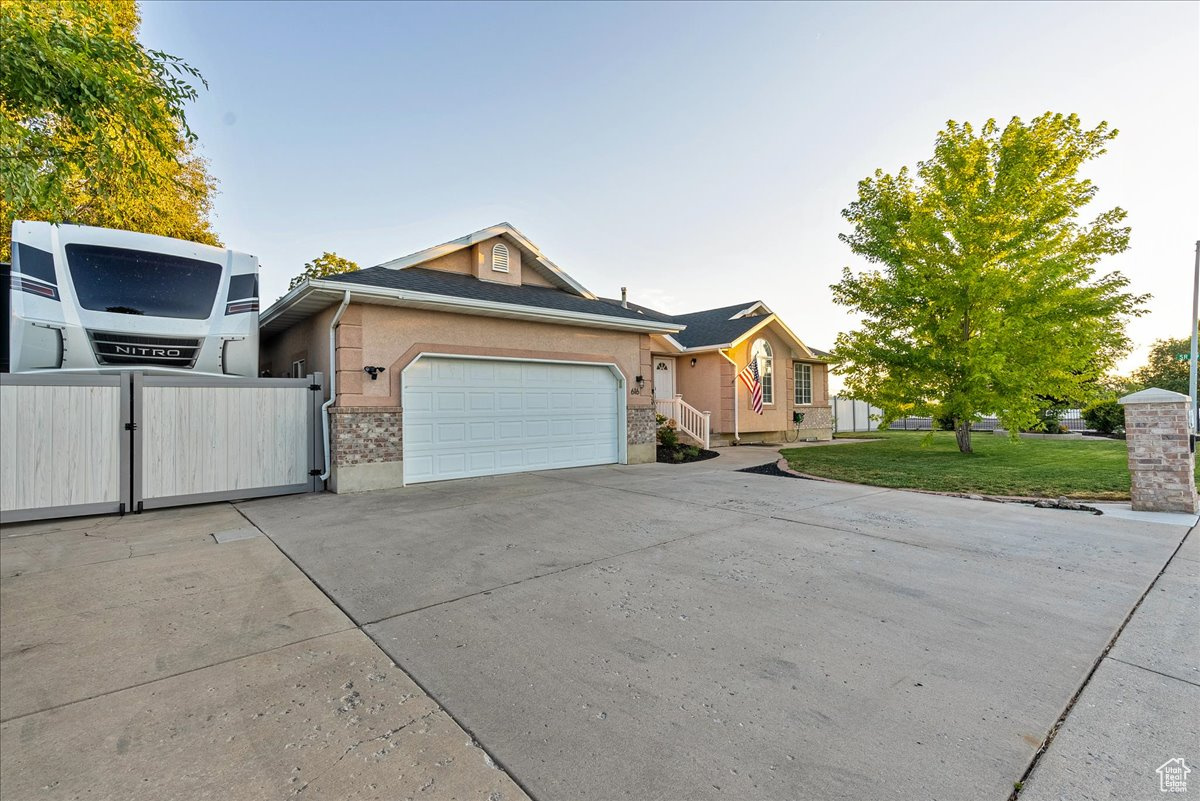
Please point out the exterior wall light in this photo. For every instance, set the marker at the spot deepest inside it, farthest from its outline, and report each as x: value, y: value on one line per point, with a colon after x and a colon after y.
x: 373, y: 372
x: 693, y: 361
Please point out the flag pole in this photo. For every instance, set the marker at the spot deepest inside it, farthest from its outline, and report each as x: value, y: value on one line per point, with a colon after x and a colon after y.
x: 736, y: 438
x: 1195, y: 332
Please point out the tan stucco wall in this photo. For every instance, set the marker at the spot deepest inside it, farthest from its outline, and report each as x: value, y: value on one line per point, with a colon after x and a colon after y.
x: 700, y: 386
x: 460, y: 261
x: 477, y: 261
x: 391, y: 337
x: 308, y: 340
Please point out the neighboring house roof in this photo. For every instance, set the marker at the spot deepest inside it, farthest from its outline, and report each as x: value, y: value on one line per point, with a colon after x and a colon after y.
x: 532, y: 255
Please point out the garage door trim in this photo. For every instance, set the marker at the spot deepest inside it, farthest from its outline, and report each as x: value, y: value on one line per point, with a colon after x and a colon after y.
x: 622, y: 401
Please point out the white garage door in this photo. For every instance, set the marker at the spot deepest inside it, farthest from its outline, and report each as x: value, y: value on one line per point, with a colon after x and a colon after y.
x: 473, y: 417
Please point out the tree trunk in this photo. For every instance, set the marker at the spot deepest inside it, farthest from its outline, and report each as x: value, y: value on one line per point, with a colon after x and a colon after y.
x: 962, y: 434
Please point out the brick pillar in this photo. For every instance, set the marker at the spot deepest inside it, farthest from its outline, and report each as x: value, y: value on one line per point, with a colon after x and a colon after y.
x: 1161, y: 464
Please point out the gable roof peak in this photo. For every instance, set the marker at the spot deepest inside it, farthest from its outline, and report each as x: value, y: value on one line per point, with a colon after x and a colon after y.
x: 548, y: 269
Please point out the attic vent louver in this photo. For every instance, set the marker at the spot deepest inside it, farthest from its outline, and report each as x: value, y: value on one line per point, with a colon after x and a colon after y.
x: 500, y: 258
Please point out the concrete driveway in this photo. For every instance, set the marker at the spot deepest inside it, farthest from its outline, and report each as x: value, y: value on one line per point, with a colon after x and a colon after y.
x: 692, y: 632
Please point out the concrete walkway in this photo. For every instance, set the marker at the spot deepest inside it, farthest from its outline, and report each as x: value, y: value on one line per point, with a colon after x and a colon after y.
x: 1141, y: 707
x: 139, y: 659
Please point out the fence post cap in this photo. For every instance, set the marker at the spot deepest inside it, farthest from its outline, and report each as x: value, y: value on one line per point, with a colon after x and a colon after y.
x: 1154, y: 395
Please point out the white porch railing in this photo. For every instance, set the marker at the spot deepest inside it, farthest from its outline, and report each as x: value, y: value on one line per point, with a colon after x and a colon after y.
x: 688, y: 419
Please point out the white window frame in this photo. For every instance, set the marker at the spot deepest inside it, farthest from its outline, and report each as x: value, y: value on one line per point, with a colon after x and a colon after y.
x: 298, y: 368
x: 762, y: 351
x: 500, y: 249
x: 798, y: 369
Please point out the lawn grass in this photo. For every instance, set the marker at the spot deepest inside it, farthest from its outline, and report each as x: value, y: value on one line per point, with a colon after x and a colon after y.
x: 1087, y: 468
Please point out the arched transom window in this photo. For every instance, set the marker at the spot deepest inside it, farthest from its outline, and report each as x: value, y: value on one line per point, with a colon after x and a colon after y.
x: 500, y: 257
x: 761, y: 352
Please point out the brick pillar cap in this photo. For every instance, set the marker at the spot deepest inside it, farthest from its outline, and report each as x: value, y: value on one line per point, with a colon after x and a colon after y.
x: 1155, y: 395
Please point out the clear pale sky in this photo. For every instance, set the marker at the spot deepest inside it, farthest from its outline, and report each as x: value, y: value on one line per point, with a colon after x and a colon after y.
x: 698, y: 154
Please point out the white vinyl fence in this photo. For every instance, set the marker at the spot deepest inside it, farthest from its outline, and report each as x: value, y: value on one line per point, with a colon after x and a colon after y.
x: 95, y: 444
x: 854, y: 415
x: 62, y: 445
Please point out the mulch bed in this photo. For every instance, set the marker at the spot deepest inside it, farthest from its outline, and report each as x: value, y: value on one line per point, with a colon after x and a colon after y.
x: 680, y: 456
x: 771, y: 469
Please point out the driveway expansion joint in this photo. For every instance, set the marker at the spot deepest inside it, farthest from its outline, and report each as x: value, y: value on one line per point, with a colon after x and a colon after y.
x: 1062, y: 719
x: 168, y: 676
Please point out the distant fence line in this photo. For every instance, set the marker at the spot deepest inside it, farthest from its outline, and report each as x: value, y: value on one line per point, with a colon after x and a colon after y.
x: 855, y: 415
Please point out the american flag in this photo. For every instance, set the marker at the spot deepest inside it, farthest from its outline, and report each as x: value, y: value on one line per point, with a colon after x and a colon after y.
x: 750, y: 378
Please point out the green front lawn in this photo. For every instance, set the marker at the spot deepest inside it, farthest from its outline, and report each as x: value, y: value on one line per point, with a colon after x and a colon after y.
x: 1087, y: 468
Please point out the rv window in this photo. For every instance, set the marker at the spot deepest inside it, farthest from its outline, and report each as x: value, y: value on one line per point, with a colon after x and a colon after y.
x: 35, y: 262
x: 136, y: 282
x: 243, y: 286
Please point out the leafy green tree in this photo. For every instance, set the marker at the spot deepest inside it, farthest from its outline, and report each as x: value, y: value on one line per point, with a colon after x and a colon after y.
x: 325, y: 264
x: 1167, y: 367
x: 986, y: 299
x: 92, y: 125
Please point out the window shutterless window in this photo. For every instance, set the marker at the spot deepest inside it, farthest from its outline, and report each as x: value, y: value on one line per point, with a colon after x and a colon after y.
x: 298, y: 369
x: 803, y: 383
x: 762, y: 353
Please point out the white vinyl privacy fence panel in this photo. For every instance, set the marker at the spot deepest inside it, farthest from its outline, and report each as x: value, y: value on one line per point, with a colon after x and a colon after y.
x: 855, y: 415
x: 200, y: 441
x: 94, y: 444
x: 62, y: 446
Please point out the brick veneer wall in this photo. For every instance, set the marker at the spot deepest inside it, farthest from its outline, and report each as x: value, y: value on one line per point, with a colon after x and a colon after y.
x: 1162, y: 468
x: 641, y: 425
x: 365, y: 434
x: 819, y: 417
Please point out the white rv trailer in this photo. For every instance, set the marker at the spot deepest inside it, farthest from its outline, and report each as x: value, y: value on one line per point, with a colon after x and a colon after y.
x: 98, y: 300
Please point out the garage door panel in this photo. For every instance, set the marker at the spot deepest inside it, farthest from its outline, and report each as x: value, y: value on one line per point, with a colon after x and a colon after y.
x: 418, y: 401
x: 452, y: 400
x: 481, y: 401
x: 418, y: 433
x: 481, y: 431
x: 474, y: 417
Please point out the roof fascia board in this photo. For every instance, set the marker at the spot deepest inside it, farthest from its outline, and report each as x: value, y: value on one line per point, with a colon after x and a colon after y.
x: 469, y: 305
x: 673, y: 342
x: 283, y: 304
x: 746, y: 312
x: 428, y: 254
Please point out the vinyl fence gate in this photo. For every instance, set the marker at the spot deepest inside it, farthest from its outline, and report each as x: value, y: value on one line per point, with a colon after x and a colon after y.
x: 97, y: 444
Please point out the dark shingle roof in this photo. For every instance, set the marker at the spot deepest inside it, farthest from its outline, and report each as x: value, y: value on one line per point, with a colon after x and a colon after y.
x: 713, y: 326
x: 460, y: 285
x: 704, y: 328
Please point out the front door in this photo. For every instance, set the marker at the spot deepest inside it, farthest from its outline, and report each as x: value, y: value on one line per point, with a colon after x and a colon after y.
x: 664, y: 378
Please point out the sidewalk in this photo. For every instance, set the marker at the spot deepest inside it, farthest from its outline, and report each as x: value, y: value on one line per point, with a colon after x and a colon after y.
x: 1141, y: 707
x: 142, y: 660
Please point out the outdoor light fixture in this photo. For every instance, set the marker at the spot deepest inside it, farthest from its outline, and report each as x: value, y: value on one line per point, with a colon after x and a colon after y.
x: 640, y: 382
x: 373, y: 372
x: 693, y: 361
